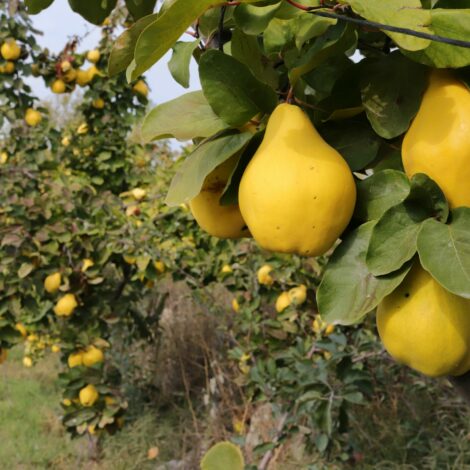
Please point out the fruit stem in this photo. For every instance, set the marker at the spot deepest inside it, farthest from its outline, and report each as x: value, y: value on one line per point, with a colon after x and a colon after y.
x: 290, y: 95
x: 221, y: 27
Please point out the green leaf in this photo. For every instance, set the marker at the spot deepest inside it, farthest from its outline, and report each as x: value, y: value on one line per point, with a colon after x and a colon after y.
x: 246, y: 49
x: 401, y: 13
x: 444, y: 251
x: 183, y: 118
x: 230, y: 195
x: 223, y: 456
x: 140, y: 8
x: 344, y: 99
x: 122, y: 53
x: 348, y: 290
x: 180, y: 61
x: 335, y: 41
x: 453, y: 24
x: 389, y: 158
x: 36, y: 6
x: 252, y: 19
x: 309, y: 27
x: 354, y: 140
x: 78, y: 417
x: 380, y: 192
x: 399, y: 226
x: 158, y: 37
x: 452, y: 3
x: 92, y: 10
x: 209, y: 21
x: 323, y: 78
x: 162, y: 34
x: 278, y: 35
x: 188, y: 181
x: 25, y: 270
x: 391, y: 90
x: 233, y: 92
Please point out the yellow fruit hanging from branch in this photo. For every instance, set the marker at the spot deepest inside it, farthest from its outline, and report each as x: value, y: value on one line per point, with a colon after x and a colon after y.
x: 437, y: 142
x: 425, y: 326
x: 217, y: 220
x: 297, y: 194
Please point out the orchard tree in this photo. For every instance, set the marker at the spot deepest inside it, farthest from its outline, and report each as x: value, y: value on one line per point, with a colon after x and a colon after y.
x: 323, y: 129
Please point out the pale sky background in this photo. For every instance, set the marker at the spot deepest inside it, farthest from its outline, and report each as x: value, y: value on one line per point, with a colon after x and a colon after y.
x: 59, y: 23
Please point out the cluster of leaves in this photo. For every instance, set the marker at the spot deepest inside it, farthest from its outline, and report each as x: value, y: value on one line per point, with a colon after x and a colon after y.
x: 95, y: 12
x: 361, y: 88
x: 15, y: 94
x: 57, y: 218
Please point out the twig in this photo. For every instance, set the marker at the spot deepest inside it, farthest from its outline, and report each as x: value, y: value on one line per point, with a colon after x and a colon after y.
x: 393, y: 29
x: 221, y: 27
x: 384, y: 27
x: 188, y: 397
x: 270, y: 453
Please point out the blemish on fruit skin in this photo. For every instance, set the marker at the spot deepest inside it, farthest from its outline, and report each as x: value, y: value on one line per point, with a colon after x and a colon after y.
x: 278, y: 228
x: 407, y: 294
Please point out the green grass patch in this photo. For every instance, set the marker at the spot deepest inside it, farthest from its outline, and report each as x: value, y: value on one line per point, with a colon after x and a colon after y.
x: 31, y: 434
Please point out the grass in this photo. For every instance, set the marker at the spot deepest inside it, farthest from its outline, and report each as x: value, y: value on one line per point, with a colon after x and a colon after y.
x: 413, y: 424
x: 31, y: 435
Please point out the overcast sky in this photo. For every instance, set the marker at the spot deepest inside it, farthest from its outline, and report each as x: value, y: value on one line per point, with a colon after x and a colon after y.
x: 59, y: 22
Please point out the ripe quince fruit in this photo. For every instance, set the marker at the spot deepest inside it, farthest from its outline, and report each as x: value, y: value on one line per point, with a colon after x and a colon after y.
x: 93, y: 56
x: 141, y: 88
x: 75, y: 359
x: 426, y: 327
x: 10, y: 50
x: 65, y: 306
x: 27, y: 362
x: 98, y: 103
x: 92, y: 355
x: 437, y: 142
x: 52, y: 282
x: 298, y: 295
x: 263, y: 275
x: 297, y: 194
x: 58, y: 87
x: 282, y: 302
x: 32, y: 117
x: 88, y: 395
x: 217, y: 220
x: 83, y: 78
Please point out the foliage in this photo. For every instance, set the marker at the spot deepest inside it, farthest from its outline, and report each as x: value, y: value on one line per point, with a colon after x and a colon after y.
x: 72, y: 206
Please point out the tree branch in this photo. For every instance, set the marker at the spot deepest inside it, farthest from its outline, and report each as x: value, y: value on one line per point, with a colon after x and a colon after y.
x: 384, y: 27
